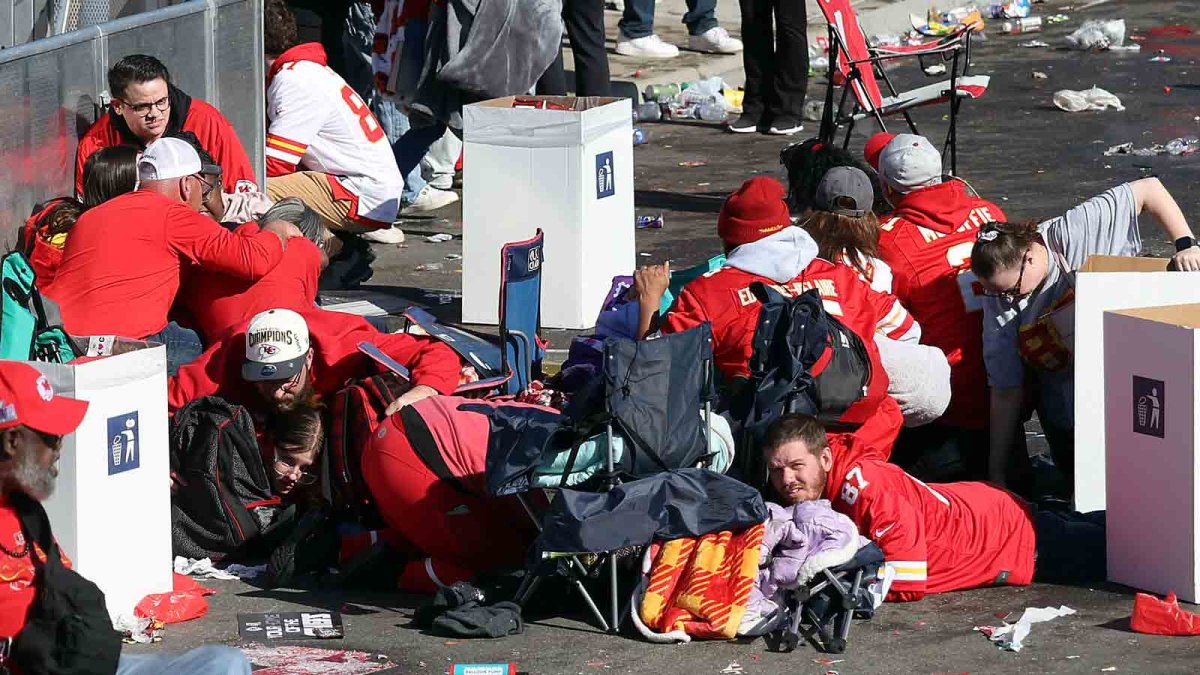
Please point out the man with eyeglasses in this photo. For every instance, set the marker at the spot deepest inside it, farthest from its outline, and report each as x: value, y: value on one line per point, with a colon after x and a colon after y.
x: 33, y: 421
x: 122, y: 265
x: 146, y: 106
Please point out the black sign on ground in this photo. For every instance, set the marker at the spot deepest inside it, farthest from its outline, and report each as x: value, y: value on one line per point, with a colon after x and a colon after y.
x: 290, y: 626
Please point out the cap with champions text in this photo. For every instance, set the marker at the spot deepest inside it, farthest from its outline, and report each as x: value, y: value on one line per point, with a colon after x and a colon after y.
x: 276, y: 346
x: 26, y: 398
x: 168, y: 158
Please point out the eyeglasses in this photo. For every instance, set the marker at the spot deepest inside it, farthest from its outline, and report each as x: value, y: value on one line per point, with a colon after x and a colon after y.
x: 143, y: 109
x: 1011, y: 295
x: 285, y: 469
x: 208, y: 187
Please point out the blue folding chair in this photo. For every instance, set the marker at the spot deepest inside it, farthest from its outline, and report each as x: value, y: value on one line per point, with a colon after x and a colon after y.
x: 515, y: 359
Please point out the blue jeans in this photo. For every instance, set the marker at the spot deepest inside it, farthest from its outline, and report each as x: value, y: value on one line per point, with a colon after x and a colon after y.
x: 183, y: 345
x: 211, y: 660
x: 414, y: 182
x: 413, y: 146
x: 638, y: 19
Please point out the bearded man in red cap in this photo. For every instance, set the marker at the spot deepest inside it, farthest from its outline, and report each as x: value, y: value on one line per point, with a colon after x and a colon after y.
x: 762, y: 245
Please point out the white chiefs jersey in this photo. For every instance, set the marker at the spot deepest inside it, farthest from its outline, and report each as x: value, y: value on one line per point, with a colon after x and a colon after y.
x: 318, y: 122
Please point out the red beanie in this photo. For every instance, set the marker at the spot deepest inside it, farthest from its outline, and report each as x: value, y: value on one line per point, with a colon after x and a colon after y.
x: 755, y: 211
x: 875, y: 146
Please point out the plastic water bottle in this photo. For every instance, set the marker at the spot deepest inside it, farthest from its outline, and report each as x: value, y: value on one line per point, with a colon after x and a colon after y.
x: 639, y: 136
x: 712, y: 112
x: 1030, y: 24
x: 650, y: 111
x: 813, y: 110
x: 1183, y: 146
x: 660, y: 92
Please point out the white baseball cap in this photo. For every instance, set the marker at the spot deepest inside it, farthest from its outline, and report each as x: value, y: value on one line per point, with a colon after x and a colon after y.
x: 168, y: 158
x: 276, y: 346
x: 909, y: 162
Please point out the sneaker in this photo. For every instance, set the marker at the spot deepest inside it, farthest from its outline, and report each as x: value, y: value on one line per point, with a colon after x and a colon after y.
x: 311, y: 547
x: 715, y: 40
x: 387, y: 235
x: 431, y: 199
x: 746, y: 123
x: 785, y: 126
x: 650, y: 47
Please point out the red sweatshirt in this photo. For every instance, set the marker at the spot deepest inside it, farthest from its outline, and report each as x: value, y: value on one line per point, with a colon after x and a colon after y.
x: 215, y: 133
x: 121, y: 265
x: 938, y: 537
x: 927, y: 242
x: 17, y: 575
x: 215, y: 304
x: 334, y: 338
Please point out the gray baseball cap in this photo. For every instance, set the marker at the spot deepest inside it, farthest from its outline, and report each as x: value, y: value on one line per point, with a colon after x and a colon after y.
x: 846, y: 191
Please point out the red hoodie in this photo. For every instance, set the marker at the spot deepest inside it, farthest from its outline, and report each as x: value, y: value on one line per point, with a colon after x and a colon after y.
x: 334, y: 337
x: 927, y: 242
x: 938, y: 537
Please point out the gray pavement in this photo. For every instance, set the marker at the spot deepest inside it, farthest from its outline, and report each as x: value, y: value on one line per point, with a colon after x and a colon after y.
x: 1016, y: 149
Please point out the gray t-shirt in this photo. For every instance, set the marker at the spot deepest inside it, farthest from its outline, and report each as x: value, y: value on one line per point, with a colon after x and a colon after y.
x: 1103, y: 225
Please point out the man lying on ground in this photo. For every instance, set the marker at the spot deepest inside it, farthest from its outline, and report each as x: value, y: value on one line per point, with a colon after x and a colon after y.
x: 935, y: 537
x: 146, y: 106
x: 763, y: 246
x: 122, y: 263
x: 282, y: 358
x: 31, y: 434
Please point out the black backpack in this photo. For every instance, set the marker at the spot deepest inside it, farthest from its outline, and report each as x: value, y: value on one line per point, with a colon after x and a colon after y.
x: 224, y: 508
x: 791, y: 336
x: 68, y: 631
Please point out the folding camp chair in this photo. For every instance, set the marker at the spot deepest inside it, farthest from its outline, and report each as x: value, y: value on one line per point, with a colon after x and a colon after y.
x: 513, y: 360
x: 861, y: 67
x: 823, y: 609
x: 650, y: 393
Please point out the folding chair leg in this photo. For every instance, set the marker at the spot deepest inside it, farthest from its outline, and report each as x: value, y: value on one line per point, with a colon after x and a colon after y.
x: 614, y: 606
x: 591, y: 604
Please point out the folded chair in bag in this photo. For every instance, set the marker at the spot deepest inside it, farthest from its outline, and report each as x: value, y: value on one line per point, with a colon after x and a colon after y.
x: 650, y: 393
x: 861, y: 69
x: 514, y: 360
x: 823, y: 609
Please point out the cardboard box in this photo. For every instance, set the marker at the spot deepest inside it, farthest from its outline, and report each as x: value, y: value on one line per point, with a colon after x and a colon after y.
x: 1110, y: 283
x: 1151, y: 391
x: 569, y: 172
x: 111, y: 508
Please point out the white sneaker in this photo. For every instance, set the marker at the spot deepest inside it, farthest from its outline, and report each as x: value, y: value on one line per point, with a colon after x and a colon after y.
x: 387, y: 235
x: 715, y: 40
x: 650, y: 47
x: 431, y: 199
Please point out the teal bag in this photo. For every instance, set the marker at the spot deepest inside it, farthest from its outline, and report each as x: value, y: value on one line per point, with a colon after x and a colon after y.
x: 681, y: 278
x: 25, y: 332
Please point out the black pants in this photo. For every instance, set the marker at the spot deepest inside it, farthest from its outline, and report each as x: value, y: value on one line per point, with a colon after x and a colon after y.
x: 937, y: 453
x: 1070, y: 546
x: 585, y: 30
x: 775, y: 57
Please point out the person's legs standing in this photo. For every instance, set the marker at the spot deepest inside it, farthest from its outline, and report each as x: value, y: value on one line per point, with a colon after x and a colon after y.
x: 412, y: 147
x: 704, y: 32
x: 210, y: 660
x: 440, y: 160
x: 701, y: 16
x: 414, y: 182
x: 757, y: 61
x: 1070, y: 546
x: 637, y: 21
x: 790, y: 81
x: 585, y: 30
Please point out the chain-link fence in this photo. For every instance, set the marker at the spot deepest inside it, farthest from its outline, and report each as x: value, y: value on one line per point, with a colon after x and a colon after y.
x: 53, y: 89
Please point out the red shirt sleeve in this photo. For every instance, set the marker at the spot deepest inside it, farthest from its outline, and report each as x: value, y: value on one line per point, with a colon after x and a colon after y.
x: 203, y: 241
x: 221, y: 141
x: 432, y: 363
x: 687, y: 312
x: 87, y: 145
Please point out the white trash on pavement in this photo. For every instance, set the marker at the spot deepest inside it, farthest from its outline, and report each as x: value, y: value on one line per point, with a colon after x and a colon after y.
x: 1011, y: 636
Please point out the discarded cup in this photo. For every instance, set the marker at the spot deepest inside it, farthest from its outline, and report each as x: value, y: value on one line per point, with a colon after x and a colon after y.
x: 650, y: 111
x: 650, y: 222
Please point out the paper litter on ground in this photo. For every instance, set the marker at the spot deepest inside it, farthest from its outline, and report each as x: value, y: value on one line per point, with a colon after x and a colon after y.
x: 204, y: 568
x: 296, y: 660
x: 1011, y: 636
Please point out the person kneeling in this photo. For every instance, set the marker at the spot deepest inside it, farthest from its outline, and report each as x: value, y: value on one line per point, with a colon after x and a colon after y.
x: 935, y: 537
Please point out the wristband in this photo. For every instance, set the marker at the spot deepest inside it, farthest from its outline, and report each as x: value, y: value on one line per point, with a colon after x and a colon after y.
x: 1184, y: 243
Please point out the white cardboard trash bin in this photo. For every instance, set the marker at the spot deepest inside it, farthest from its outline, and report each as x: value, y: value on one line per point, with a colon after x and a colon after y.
x: 111, y: 507
x: 1109, y: 283
x: 1153, y: 447
x: 568, y: 172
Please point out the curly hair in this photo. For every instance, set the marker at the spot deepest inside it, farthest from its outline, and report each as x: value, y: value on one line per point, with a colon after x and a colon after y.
x: 279, y: 28
x: 808, y: 162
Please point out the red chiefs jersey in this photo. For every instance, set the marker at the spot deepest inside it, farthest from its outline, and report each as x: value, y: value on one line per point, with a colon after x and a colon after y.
x: 927, y: 242
x: 724, y: 299
x: 936, y: 537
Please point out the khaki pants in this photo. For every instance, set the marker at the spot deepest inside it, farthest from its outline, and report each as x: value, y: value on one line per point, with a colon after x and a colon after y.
x: 313, y: 189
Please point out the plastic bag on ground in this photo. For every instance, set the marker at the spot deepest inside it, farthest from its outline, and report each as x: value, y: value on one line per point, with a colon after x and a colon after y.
x: 1089, y: 99
x: 1098, y: 34
x: 1162, y: 617
x: 185, y: 603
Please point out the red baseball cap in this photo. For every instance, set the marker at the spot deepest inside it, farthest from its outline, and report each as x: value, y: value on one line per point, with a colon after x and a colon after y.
x: 874, y: 146
x: 26, y: 398
x: 755, y: 211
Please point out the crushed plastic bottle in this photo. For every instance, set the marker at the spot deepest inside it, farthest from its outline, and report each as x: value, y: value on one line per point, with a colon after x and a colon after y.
x: 712, y: 112
x: 639, y: 136
x: 1032, y: 24
x: 429, y: 267
x: 1183, y: 146
x: 813, y: 110
x: 1098, y: 35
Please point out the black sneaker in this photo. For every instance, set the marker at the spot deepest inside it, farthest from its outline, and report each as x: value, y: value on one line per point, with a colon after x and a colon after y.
x: 311, y: 547
x: 785, y: 126
x: 376, y: 569
x: 746, y: 123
